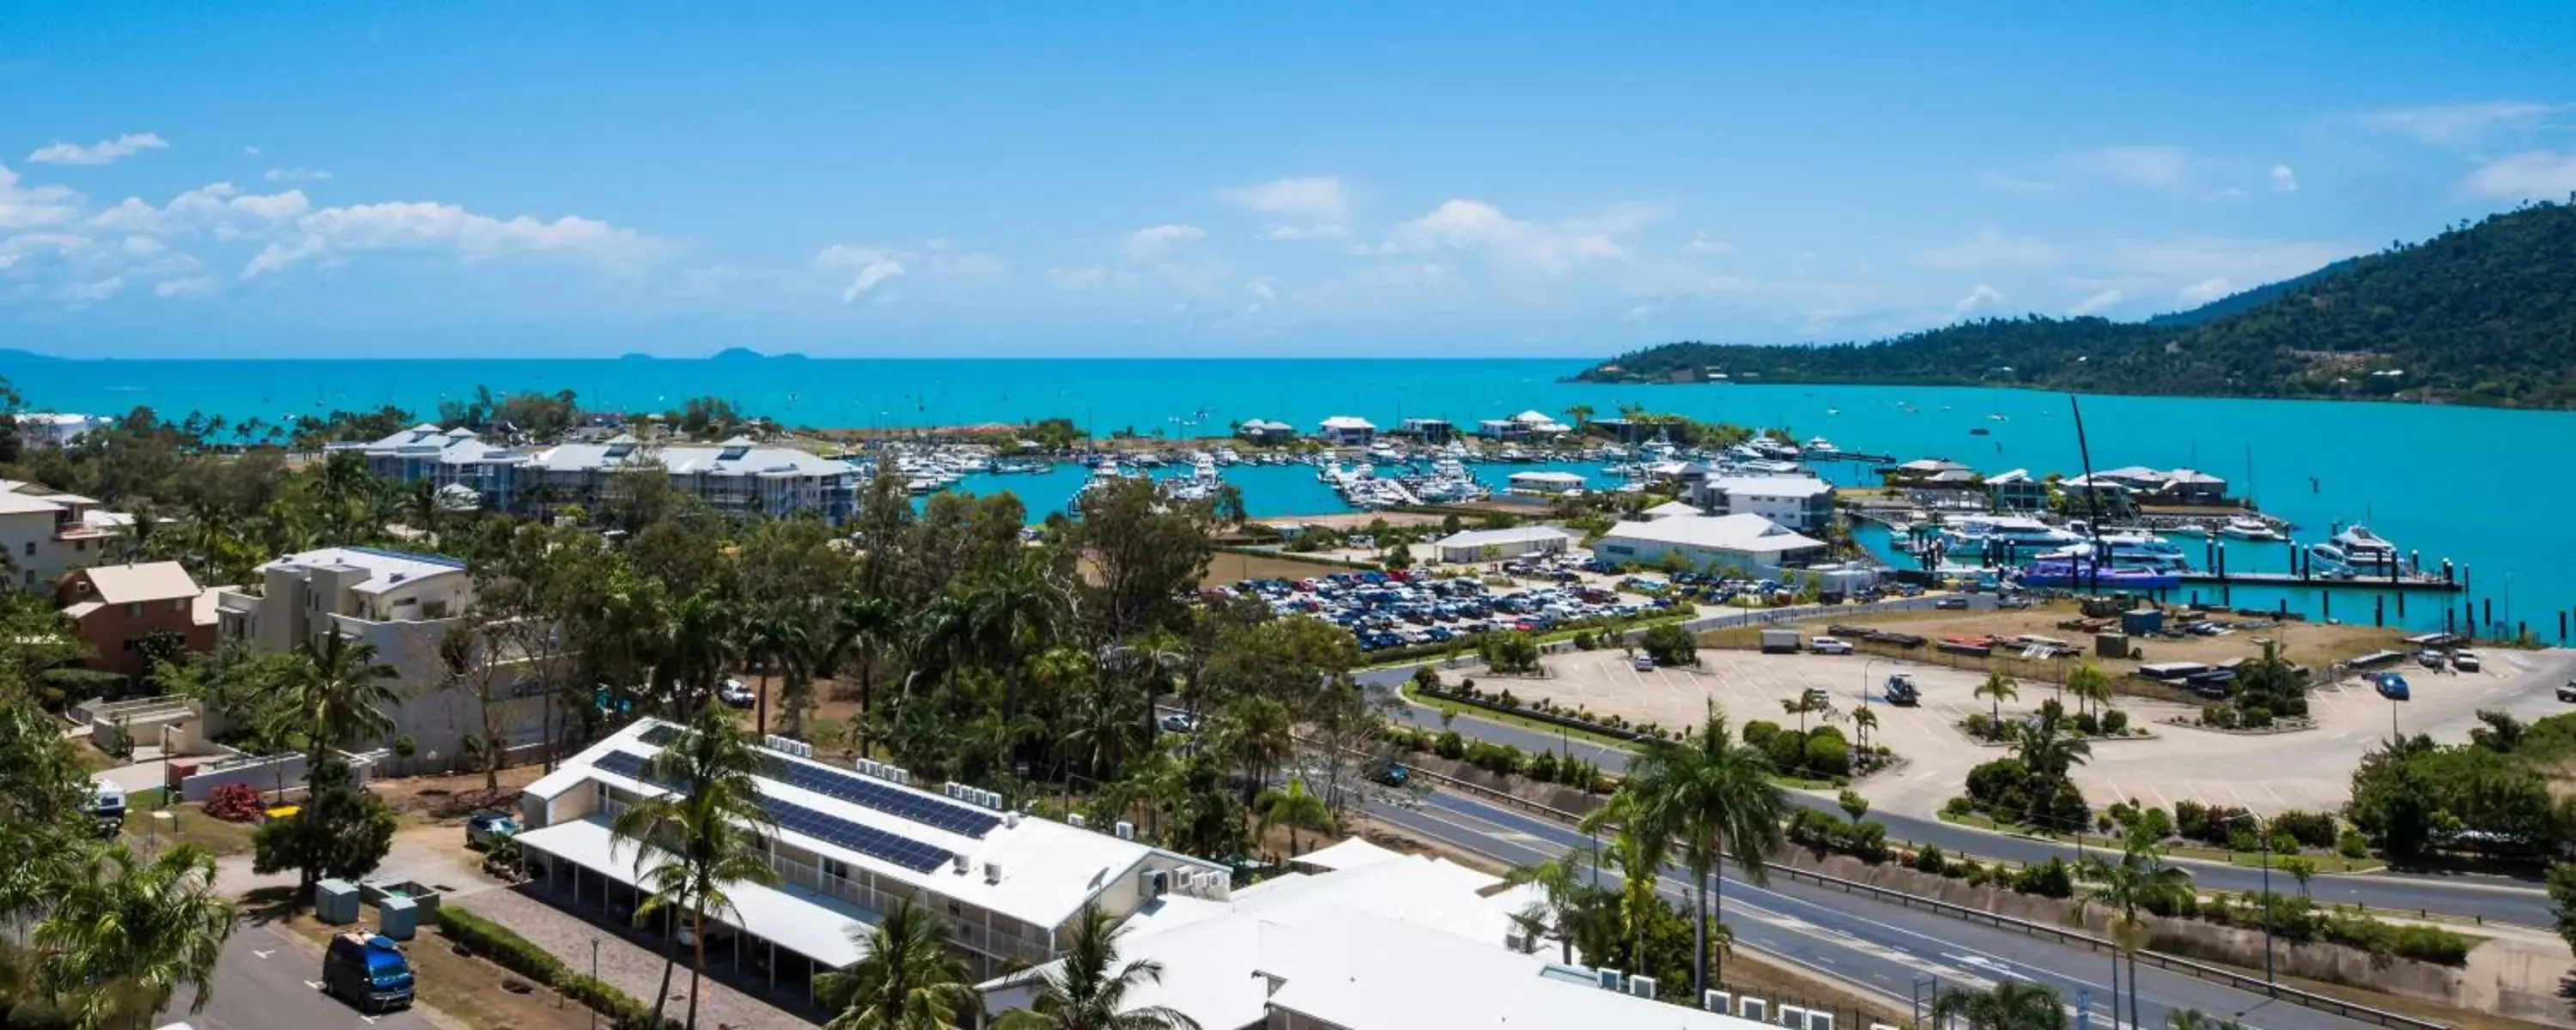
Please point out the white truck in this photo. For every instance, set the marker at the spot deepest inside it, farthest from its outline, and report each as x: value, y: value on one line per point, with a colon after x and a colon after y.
x: 1779, y: 641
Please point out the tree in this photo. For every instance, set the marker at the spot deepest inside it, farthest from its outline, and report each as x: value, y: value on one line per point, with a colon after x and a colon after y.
x: 2300, y: 868
x: 1998, y: 688
x: 701, y: 831
x: 2139, y: 880
x: 2192, y: 1019
x: 1670, y: 644
x: 125, y: 933
x: 905, y: 979
x: 1637, y: 850
x: 340, y: 832
x: 1715, y: 796
x: 1863, y: 721
x: 2562, y: 901
x: 1581, y: 414
x: 2011, y: 1005
x: 1293, y: 807
x: 770, y: 637
x: 1802, y: 706
x: 2090, y: 685
x: 337, y: 692
x: 1088, y: 988
x: 1565, y: 892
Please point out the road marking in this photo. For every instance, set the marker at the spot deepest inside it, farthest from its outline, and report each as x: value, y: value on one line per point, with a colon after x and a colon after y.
x: 262, y: 954
x: 315, y: 984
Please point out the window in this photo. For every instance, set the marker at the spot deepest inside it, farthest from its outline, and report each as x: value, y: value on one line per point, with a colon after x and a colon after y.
x: 31, y: 548
x: 134, y: 609
x: 80, y: 545
x: 835, y: 868
x: 178, y: 604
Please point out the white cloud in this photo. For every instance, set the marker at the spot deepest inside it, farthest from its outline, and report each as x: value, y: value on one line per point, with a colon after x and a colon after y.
x: 1982, y: 297
x: 1545, y: 248
x: 298, y: 175
x: 1077, y: 278
x: 1301, y: 208
x: 2153, y: 167
x: 2204, y: 291
x: 102, y: 152
x: 1703, y: 243
x: 193, y: 286
x: 2460, y: 125
x: 332, y: 232
x: 250, y: 150
x: 1640, y: 313
x: 1155, y: 239
x: 23, y: 207
x: 2285, y: 180
x: 1989, y: 249
x: 2094, y: 303
x: 2245, y: 261
x: 871, y: 268
x: 2534, y: 174
x: 144, y: 246
x: 80, y: 295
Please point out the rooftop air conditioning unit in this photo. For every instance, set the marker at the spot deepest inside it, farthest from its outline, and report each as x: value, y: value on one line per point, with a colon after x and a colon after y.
x: 1754, y: 1009
x: 1642, y: 986
x: 1819, y: 1020
x: 992, y: 872
x: 903, y: 776
x: 1515, y: 940
x: 949, y: 789
x: 1154, y: 883
x: 1074, y: 819
x: 1793, y: 1017
x: 1010, y: 820
x: 1718, y: 1002
x: 871, y: 767
x: 1609, y: 979
x: 1125, y: 830
x: 958, y: 863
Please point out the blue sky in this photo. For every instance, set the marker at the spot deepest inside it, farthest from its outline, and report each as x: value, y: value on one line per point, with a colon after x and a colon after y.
x: 1309, y: 179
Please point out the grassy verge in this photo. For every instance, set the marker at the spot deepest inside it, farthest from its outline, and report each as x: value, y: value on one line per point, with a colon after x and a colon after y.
x: 185, y: 824
x: 469, y: 989
x: 2248, y: 859
x: 1468, y: 711
x: 1557, y: 636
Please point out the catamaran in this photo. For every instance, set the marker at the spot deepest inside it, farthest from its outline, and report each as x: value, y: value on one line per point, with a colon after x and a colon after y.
x: 2245, y: 527
x: 2357, y: 551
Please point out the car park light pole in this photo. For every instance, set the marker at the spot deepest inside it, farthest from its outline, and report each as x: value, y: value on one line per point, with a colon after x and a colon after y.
x: 1864, y: 678
x: 2265, y: 840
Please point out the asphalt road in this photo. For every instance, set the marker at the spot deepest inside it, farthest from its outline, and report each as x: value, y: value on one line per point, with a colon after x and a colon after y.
x: 265, y: 981
x: 2488, y: 898
x: 1868, y: 944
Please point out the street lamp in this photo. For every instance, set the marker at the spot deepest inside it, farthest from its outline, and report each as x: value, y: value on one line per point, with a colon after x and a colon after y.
x: 2266, y: 841
x: 1864, y: 678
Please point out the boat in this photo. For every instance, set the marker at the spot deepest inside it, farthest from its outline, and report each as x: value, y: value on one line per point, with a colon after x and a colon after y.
x: 1819, y: 447
x: 2069, y: 574
x: 2357, y: 551
x: 1996, y: 417
x: 1979, y: 431
x: 2125, y: 551
x: 2249, y: 528
x: 2013, y: 530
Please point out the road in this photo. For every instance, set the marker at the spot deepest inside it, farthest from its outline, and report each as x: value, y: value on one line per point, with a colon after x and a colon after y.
x: 2493, y: 899
x: 1869, y: 944
x: 265, y: 980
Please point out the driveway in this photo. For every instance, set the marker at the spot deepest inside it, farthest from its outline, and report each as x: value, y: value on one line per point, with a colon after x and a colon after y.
x: 266, y: 980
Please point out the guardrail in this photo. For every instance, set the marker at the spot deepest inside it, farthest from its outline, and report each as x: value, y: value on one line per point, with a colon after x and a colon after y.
x: 2170, y: 963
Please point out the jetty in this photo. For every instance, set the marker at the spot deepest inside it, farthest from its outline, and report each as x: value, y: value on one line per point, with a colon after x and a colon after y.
x: 2413, y: 583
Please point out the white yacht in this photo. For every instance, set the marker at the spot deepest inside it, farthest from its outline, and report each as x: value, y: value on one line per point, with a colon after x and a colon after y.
x: 2127, y: 550
x: 2356, y: 550
x: 2244, y: 527
x: 1819, y: 447
x: 2015, y: 530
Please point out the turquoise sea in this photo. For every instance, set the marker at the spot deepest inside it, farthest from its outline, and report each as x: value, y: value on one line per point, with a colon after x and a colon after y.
x: 2468, y: 484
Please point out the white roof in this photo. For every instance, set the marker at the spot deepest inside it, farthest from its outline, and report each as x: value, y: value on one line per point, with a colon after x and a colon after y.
x: 14, y: 503
x: 1669, y: 509
x: 1930, y: 465
x: 152, y: 581
x: 1264, y: 426
x: 2014, y: 476
x: 1746, y: 533
x: 1772, y: 486
x: 1532, y: 416
x: 814, y: 925
x: 1348, y: 422
x: 1495, y: 537
x: 1049, y: 869
x: 385, y: 569
x: 1350, y: 853
x: 737, y: 459
x: 1547, y: 477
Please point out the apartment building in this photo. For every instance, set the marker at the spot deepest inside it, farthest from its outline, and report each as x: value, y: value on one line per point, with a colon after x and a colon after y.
x: 47, y: 532
x: 1802, y: 503
x: 736, y: 475
x: 116, y: 608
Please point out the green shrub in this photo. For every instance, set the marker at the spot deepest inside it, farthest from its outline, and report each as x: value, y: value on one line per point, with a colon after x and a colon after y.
x: 2114, y: 722
x: 1543, y: 767
x: 2308, y: 829
x: 1450, y: 745
x: 2156, y: 822
x: 1827, y: 753
x: 517, y: 954
x: 1929, y: 860
x: 2049, y: 879
x: 2352, y: 845
x: 1758, y: 733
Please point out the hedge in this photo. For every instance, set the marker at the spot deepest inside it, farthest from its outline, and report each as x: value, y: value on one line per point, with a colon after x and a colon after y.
x: 515, y: 953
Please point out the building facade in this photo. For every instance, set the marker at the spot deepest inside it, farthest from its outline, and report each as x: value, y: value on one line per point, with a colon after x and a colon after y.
x: 736, y: 476
x: 1802, y: 503
x: 1741, y: 544
x: 117, y: 609
x: 46, y: 533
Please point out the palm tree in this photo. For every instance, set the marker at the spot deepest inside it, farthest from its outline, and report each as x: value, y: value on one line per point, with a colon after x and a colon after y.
x: 124, y: 934
x: 1999, y: 688
x: 2049, y: 752
x: 1255, y: 737
x: 1863, y: 721
x: 336, y: 692
x: 1803, y: 705
x: 1715, y: 795
x: 2141, y: 879
x: 1293, y: 806
x: 2012, y: 1005
x: 2090, y: 685
x: 1581, y: 414
x: 1016, y: 612
x: 694, y: 838
x: 866, y: 621
x: 697, y: 642
x: 1088, y: 988
x: 1565, y: 887
x: 769, y: 636
x: 906, y: 979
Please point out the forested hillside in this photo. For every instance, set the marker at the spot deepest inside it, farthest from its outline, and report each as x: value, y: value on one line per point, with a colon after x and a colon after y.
x: 2482, y: 314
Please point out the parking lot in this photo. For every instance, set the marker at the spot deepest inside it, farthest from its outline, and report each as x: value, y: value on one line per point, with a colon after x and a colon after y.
x: 2308, y: 769
x: 1394, y: 610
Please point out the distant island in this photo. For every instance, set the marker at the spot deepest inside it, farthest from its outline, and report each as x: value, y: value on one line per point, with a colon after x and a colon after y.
x: 748, y: 354
x: 2482, y: 314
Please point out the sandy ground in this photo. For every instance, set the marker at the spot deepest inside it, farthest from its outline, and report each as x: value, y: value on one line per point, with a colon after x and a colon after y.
x: 2309, y: 769
x: 2316, y: 645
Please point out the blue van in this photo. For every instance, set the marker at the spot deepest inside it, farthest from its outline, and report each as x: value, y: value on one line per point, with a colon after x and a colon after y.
x: 368, y: 971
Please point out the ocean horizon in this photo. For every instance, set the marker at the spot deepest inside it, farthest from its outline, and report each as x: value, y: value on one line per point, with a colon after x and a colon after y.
x: 2435, y: 479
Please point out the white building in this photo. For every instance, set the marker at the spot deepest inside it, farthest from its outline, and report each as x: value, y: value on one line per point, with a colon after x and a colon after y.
x: 1671, y: 509
x: 1265, y: 431
x: 47, y: 533
x: 1802, y: 503
x: 53, y: 429
x: 736, y: 475
x: 1740, y: 543
x: 1380, y: 942
x: 848, y: 845
x: 1545, y: 484
x: 403, y: 605
x: 1523, y: 426
x: 1480, y: 545
x: 1347, y: 431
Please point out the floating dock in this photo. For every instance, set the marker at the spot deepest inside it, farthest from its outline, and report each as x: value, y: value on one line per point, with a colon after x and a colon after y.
x: 2412, y: 584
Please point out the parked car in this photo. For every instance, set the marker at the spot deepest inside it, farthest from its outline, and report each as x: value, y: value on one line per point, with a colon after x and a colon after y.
x: 107, y: 807
x: 2393, y: 687
x: 1900, y: 691
x: 1951, y: 604
x: 2567, y: 691
x: 1643, y: 663
x: 1814, y: 697
x: 1177, y: 722
x: 368, y: 971
x: 489, y: 828
x: 1829, y: 645
x: 737, y: 693
x: 2429, y: 658
x: 2465, y: 661
x: 2014, y: 601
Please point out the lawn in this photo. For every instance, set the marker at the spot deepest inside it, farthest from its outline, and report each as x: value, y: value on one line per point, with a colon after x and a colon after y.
x: 147, y: 819
x: 470, y: 990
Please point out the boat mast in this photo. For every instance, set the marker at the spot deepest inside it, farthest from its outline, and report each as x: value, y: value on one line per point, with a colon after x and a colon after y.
x: 2092, y: 494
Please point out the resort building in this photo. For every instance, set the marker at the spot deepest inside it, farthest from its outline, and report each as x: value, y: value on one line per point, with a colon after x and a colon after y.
x: 1429, y: 430
x: 1265, y: 431
x: 1491, y: 545
x: 47, y: 533
x: 2179, y: 486
x: 1671, y: 510
x: 1745, y: 544
x: 848, y: 845
x: 1523, y: 426
x: 403, y: 605
x: 116, y: 609
x: 1802, y: 503
x: 1930, y: 472
x: 1370, y: 940
x: 1545, y: 484
x: 2017, y: 490
x: 735, y: 476
x: 50, y: 429
x: 1347, y: 431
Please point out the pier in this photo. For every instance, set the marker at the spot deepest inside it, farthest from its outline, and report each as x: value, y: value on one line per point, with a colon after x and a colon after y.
x: 2420, y: 584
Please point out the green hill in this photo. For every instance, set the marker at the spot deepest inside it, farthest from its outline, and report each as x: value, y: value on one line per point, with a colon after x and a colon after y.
x: 2481, y: 314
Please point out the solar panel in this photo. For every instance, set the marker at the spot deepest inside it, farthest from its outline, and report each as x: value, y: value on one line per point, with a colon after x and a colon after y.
x: 862, y: 790
x: 866, y: 840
